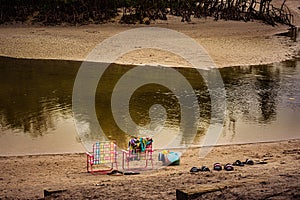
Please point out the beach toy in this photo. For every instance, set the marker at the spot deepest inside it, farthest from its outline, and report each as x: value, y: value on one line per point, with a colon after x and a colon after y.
x: 194, y: 169
x: 204, y: 169
x: 249, y: 162
x: 217, y: 167
x: 228, y: 167
x: 238, y: 163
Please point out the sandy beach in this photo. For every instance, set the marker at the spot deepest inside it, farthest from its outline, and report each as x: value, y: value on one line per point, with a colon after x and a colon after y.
x: 26, y: 177
x: 229, y: 43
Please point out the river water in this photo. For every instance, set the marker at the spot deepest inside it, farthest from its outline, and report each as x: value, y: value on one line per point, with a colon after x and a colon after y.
x: 36, y: 116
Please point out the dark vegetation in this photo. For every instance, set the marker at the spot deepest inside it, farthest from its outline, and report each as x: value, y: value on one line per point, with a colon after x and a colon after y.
x: 79, y: 12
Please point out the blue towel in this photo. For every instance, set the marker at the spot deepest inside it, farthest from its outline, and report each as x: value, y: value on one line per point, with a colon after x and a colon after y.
x: 173, y: 156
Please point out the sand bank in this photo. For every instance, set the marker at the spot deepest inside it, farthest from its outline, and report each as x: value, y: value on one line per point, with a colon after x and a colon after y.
x: 229, y: 43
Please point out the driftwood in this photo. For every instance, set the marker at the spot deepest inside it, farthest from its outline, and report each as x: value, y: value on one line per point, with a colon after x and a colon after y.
x: 53, y: 192
x: 201, y: 189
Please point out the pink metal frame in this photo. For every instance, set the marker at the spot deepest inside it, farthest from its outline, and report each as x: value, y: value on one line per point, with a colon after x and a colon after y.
x: 104, y: 153
x: 131, y: 156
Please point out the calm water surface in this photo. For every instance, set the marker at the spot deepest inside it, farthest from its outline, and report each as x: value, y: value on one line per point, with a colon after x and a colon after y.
x: 263, y: 104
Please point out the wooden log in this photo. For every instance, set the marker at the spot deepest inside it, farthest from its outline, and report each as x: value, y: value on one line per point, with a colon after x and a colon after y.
x: 51, y: 192
x: 188, y: 194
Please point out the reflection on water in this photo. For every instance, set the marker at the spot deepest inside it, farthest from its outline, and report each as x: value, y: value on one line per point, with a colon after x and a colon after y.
x: 263, y: 103
x: 35, y: 106
x: 36, y: 111
x: 252, y: 92
x: 140, y: 104
x: 35, y: 94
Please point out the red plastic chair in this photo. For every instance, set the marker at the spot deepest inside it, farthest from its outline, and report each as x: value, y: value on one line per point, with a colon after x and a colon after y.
x: 137, y: 155
x: 103, y: 155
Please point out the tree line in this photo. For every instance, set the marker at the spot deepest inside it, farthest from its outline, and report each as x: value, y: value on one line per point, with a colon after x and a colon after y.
x: 79, y: 12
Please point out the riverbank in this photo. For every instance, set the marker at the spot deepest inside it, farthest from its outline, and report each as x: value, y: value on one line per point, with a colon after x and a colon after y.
x: 229, y: 43
x: 26, y: 177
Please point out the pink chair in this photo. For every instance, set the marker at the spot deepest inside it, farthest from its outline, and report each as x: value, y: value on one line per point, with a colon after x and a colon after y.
x: 103, y: 155
x: 139, y: 153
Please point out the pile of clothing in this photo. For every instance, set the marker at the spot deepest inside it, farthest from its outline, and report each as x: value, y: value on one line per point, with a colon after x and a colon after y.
x: 140, y: 144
